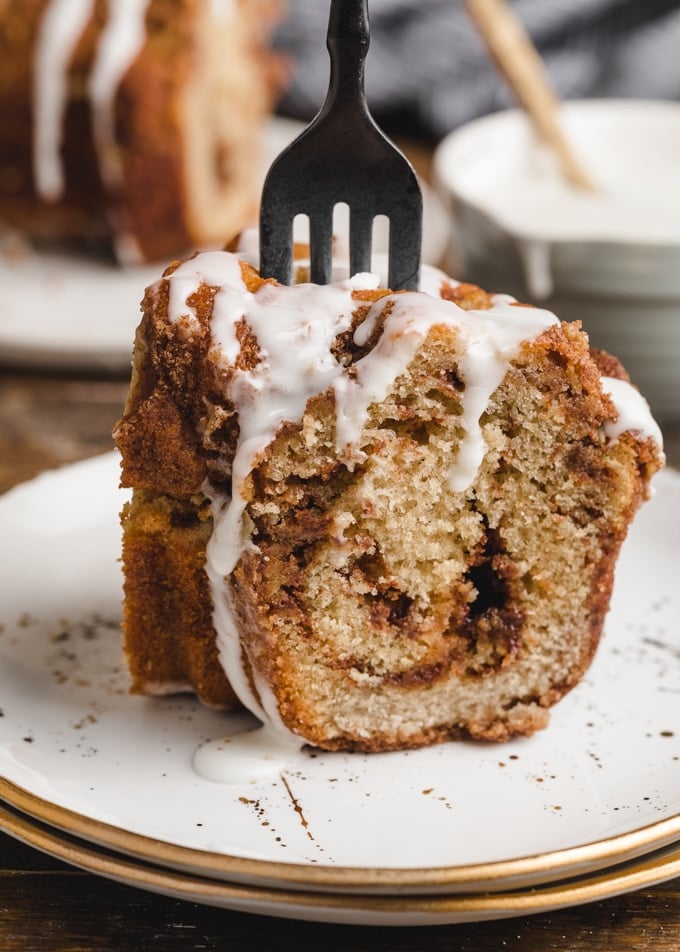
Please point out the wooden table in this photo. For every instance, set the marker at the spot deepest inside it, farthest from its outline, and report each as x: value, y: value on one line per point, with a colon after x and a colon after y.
x: 46, y: 420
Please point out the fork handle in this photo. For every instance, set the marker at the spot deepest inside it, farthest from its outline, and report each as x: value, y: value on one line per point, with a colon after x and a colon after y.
x: 347, y: 41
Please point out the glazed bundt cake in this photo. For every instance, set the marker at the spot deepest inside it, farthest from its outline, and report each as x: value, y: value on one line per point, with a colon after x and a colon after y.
x: 136, y: 122
x: 378, y: 520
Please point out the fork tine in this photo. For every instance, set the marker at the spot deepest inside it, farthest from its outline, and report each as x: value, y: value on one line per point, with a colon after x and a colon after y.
x: 276, y: 240
x: 405, y: 235
x: 360, y: 240
x: 321, y: 247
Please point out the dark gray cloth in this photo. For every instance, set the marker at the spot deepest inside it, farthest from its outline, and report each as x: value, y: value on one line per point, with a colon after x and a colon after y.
x: 427, y: 70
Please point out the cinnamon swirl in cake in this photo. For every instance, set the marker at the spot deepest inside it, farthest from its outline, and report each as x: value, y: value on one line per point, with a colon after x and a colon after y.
x: 377, y: 520
x: 138, y: 122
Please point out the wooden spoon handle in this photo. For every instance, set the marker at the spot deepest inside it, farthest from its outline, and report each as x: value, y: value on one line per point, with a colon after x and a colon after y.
x: 522, y: 67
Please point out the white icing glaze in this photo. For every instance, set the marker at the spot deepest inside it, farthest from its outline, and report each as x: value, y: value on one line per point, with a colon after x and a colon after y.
x: 535, y: 255
x: 490, y: 338
x: 120, y: 43
x: 217, y: 270
x: 296, y: 364
x: 228, y: 641
x: 634, y: 199
x: 295, y: 328
x: 60, y: 29
x: 629, y: 148
x: 633, y: 412
x: 246, y: 758
x: 160, y: 688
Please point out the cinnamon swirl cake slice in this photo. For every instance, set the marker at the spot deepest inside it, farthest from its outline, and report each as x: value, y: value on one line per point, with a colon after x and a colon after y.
x: 377, y: 520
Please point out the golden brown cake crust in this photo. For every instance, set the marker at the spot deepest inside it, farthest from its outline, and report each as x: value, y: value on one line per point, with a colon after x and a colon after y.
x: 164, y: 552
x: 379, y: 613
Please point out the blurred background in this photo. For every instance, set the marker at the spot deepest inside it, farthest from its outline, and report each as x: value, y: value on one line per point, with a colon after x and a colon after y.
x: 428, y: 70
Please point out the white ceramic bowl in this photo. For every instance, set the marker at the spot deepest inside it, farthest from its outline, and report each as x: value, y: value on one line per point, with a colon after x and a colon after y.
x: 610, y: 258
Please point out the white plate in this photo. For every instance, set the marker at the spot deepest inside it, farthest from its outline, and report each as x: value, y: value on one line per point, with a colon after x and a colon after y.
x: 658, y: 866
x: 58, y: 309
x: 601, y: 785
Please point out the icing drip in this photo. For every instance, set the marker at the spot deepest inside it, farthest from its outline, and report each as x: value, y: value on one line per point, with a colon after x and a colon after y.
x: 490, y: 338
x: 295, y: 328
x: 535, y: 255
x: 296, y: 363
x: 217, y: 270
x: 228, y: 643
x: 60, y: 29
x: 633, y: 411
x: 121, y: 42
x: 62, y: 26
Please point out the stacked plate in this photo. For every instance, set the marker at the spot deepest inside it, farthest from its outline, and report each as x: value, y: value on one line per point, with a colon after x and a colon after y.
x: 587, y: 809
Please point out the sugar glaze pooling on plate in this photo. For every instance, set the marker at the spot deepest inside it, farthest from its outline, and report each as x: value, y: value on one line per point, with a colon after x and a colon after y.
x: 295, y: 328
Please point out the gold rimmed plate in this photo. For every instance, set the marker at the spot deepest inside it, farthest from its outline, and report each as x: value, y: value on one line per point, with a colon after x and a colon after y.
x: 658, y: 866
x: 599, y: 787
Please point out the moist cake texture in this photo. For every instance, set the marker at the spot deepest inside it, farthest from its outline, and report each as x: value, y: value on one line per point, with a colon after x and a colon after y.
x: 378, y: 520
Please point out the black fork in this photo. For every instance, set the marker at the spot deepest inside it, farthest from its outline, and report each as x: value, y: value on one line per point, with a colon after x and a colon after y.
x: 342, y: 156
